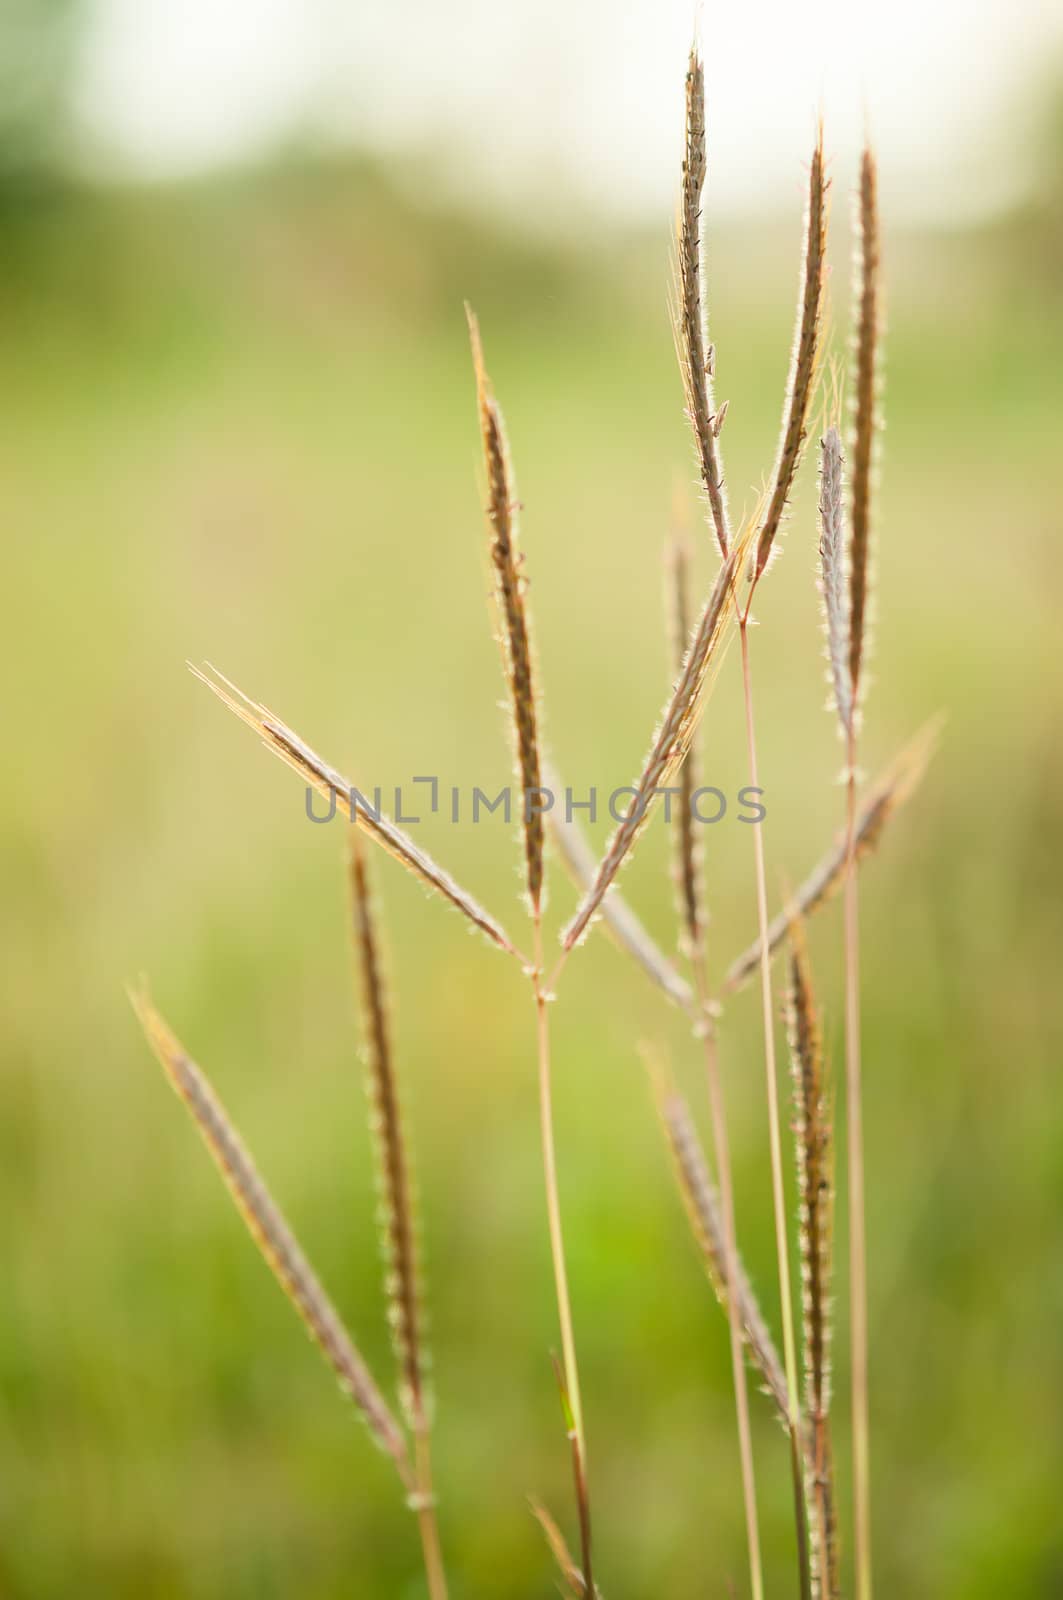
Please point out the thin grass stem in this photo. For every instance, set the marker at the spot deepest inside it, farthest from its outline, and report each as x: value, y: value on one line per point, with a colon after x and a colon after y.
x: 427, y: 1522
x: 553, y: 1201
x: 775, y: 1139
x: 722, y: 1156
x: 858, y: 1357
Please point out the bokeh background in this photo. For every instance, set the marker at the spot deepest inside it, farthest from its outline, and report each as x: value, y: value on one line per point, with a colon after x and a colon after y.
x: 237, y: 423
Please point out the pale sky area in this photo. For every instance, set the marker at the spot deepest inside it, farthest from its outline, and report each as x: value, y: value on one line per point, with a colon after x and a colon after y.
x: 512, y: 92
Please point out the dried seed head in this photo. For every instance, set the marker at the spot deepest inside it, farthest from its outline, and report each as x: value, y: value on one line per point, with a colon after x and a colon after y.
x: 284, y: 742
x: 510, y: 596
x: 697, y: 363
x: 886, y: 796
x: 815, y: 1181
x: 804, y: 363
x: 703, y: 1210
x: 398, y: 1213
x: 272, y: 1234
x: 815, y: 1169
x: 833, y: 574
x: 868, y: 329
x: 672, y: 739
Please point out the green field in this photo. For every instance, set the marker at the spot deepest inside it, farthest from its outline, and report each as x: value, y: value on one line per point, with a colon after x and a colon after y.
x: 238, y: 424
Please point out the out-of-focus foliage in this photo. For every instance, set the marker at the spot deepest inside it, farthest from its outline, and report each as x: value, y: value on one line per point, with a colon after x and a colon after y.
x: 38, y: 55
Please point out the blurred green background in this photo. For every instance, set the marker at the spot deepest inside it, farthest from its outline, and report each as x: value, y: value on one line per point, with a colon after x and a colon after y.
x: 237, y: 423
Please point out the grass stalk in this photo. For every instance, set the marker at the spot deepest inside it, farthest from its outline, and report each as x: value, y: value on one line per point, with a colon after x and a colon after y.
x: 858, y: 1356
x: 692, y: 924
x: 553, y: 1200
x: 867, y: 333
x: 722, y: 1156
x: 425, y: 1504
x: 775, y: 1138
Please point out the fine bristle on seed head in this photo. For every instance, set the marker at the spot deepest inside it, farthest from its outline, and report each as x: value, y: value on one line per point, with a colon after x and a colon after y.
x: 510, y: 584
x: 868, y: 317
x: 832, y: 580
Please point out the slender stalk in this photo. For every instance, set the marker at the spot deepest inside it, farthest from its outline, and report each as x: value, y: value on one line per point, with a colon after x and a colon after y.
x: 425, y: 1504
x: 553, y: 1201
x: 722, y: 1154
x: 775, y: 1140
x: 857, y: 1226
x: 693, y: 922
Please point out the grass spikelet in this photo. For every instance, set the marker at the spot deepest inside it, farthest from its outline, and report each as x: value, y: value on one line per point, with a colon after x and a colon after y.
x: 688, y: 846
x: 696, y: 359
x: 628, y: 932
x: 815, y: 1180
x: 883, y: 800
x: 272, y: 1234
x: 396, y: 1188
x: 510, y: 596
x: 672, y: 739
x: 868, y: 321
x: 286, y: 744
x: 832, y: 575
x: 703, y: 1210
x: 805, y: 359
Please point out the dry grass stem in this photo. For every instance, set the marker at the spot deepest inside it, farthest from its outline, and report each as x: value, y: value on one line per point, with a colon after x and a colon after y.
x: 782, y: 1242
x: 579, y: 1476
x: 273, y: 1236
x: 884, y: 799
x: 672, y: 740
x: 805, y: 359
x: 688, y: 863
x: 286, y: 744
x: 832, y: 563
x: 696, y: 357
x: 815, y: 1177
x: 396, y: 1187
x: 508, y: 566
x: 868, y: 321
